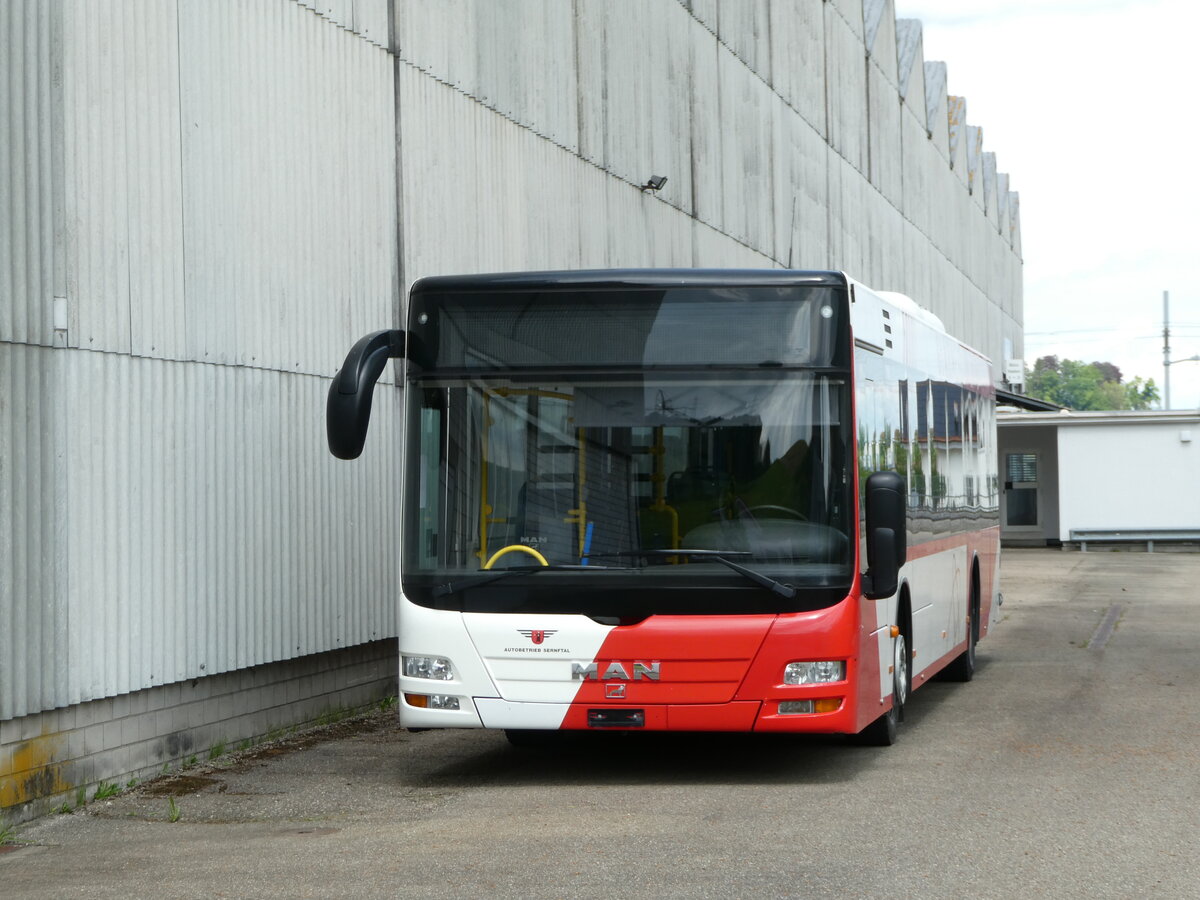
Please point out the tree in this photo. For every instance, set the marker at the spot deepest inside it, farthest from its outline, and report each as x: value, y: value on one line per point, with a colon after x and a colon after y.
x: 1094, y: 385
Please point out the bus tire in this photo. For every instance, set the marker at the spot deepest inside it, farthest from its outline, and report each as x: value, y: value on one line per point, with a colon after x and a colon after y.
x: 882, y: 732
x: 962, y: 667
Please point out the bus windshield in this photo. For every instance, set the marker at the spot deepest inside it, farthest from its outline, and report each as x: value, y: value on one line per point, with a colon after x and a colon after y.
x: 560, y: 488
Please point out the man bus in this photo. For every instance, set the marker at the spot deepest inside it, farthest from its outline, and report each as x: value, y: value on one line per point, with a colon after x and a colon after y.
x: 682, y: 500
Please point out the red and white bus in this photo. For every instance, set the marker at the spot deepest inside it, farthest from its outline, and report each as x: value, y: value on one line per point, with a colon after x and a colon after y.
x: 682, y: 500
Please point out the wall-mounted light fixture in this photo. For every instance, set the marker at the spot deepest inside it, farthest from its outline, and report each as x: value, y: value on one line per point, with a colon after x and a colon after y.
x: 655, y: 183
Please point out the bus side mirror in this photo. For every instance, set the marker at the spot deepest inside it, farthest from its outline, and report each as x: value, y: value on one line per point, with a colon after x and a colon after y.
x: 348, y: 409
x: 887, y: 536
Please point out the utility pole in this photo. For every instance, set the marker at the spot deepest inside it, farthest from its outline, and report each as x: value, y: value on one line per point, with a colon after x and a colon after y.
x: 1167, y: 361
x: 1166, y: 350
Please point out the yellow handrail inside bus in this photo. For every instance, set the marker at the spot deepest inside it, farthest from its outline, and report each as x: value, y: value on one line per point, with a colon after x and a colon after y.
x: 510, y: 548
x: 485, y: 508
x: 578, y: 517
x: 659, y: 508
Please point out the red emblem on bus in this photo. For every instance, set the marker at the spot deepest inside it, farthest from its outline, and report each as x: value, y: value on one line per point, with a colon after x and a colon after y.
x: 537, y: 635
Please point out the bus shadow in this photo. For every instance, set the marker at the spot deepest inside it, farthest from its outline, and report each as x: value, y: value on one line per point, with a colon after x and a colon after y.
x: 486, y: 759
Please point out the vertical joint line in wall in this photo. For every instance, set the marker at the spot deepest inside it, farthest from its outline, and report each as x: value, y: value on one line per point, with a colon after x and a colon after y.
x: 183, y: 199
x: 773, y: 154
x: 828, y: 143
x: 58, y: 182
x: 792, y: 229
x: 867, y: 84
x: 692, y: 137
x: 398, y: 165
x: 579, y: 143
x: 720, y: 139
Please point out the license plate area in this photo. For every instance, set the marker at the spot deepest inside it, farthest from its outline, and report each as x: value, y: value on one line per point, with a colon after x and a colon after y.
x: 616, y: 718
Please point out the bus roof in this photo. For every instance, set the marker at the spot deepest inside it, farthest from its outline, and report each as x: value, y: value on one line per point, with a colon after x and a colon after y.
x: 606, y: 279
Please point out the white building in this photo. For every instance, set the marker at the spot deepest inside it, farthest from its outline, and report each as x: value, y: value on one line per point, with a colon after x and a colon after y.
x: 1101, y: 477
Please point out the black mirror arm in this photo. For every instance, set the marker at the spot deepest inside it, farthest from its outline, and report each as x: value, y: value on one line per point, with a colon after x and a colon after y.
x: 348, y: 409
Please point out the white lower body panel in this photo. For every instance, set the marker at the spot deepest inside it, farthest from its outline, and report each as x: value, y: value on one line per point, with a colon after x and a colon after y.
x: 497, y: 713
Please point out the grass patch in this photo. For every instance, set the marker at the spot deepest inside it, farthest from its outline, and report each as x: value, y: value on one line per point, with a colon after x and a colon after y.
x: 332, y: 717
x: 173, y: 810
x: 189, y: 762
x: 8, y: 834
x: 104, y: 790
x: 217, y: 750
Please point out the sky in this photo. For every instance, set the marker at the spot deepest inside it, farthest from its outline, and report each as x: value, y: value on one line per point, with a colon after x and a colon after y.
x: 1093, y: 109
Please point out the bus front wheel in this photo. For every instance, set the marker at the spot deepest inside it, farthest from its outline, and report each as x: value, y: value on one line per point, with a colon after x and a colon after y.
x: 882, y: 732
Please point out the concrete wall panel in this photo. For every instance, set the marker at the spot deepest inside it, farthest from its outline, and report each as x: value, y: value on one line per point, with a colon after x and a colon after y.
x: 798, y: 58
x: 886, y: 170
x: 288, y: 185
x: 846, y: 90
x: 33, y: 504
x: 748, y: 189
x: 30, y: 188
x: 936, y: 107
x: 801, y: 198
x: 210, y: 529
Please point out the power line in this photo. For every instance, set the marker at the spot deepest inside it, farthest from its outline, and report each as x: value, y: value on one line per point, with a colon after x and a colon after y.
x: 1103, y: 330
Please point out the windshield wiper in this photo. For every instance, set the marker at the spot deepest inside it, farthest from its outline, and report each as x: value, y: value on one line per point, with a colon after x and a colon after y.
x: 720, y: 556
x: 452, y: 587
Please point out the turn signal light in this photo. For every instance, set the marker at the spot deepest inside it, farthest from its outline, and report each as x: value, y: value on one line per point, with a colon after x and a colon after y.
x: 432, y: 701
x: 799, y: 707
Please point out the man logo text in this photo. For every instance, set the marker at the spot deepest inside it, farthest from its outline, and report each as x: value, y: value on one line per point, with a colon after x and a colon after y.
x: 616, y: 671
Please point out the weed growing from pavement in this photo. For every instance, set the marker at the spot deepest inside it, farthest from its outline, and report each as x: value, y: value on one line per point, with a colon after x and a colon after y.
x: 81, y: 796
x: 8, y: 834
x: 65, y: 810
x: 173, y: 810
x: 104, y: 790
x: 387, y: 703
x: 332, y: 717
x: 189, y: 762
x: 131, y: 784
x: 216, y: 750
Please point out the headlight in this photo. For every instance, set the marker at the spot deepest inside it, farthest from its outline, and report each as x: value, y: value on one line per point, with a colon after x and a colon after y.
x: 815, y: 672
x: 432, y: 701
x: 434, y: 667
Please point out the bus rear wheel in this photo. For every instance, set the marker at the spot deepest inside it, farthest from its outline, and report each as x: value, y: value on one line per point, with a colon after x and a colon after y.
x: 962, y: 667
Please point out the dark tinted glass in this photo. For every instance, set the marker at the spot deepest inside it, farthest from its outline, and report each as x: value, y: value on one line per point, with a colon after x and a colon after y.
x: 742, y: 326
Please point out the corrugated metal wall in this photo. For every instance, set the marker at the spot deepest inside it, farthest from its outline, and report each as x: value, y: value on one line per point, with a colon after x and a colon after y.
x: 802, y: 133
x: 225, y: 180
x: 201, y: 213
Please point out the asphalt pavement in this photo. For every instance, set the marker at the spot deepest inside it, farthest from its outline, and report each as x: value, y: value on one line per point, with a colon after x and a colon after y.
x: 1067, y: 768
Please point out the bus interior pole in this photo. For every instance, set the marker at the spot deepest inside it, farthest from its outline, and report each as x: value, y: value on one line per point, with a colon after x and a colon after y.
x: 1166, y: 351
